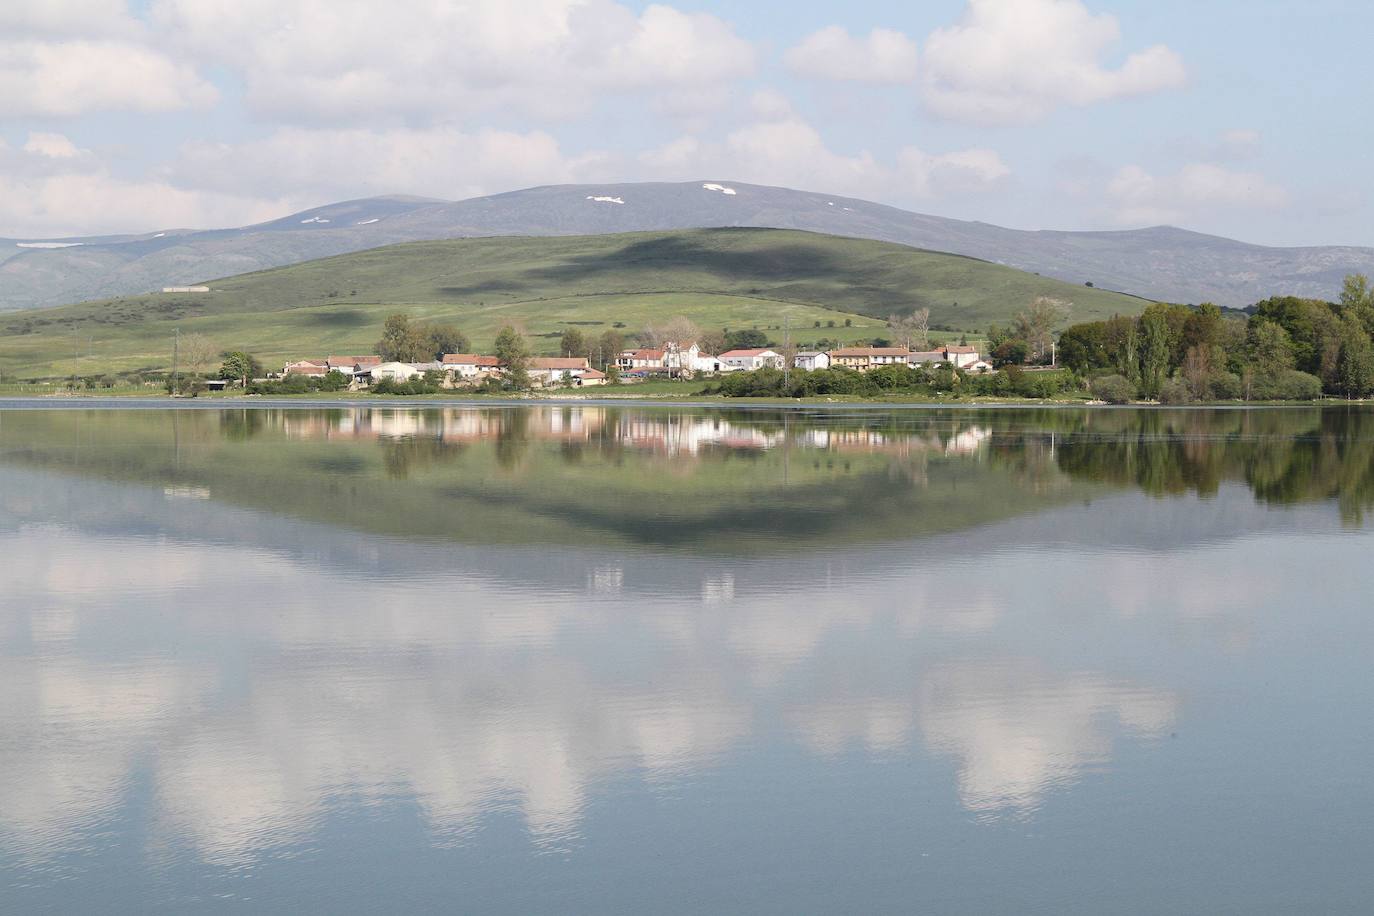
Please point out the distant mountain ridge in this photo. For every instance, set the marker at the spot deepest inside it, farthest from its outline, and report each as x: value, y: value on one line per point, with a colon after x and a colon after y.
x: 1158, y: 263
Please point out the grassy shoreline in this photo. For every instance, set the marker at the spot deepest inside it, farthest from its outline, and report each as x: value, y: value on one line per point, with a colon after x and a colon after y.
x: 603, y: 397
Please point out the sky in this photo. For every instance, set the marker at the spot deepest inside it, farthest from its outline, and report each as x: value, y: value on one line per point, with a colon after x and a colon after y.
x: 1244, y: 118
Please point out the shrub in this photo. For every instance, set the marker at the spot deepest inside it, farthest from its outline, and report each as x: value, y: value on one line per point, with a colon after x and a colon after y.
x: 1287, y: 385
x: 1174, y: 391
x: 1225, y: 386
x: 1114, y: 389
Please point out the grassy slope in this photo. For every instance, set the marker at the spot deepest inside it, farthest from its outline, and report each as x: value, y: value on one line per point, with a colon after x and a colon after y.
x: 717, y: 277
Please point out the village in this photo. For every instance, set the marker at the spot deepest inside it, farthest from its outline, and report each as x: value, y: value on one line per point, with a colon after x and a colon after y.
x: 670, y: 361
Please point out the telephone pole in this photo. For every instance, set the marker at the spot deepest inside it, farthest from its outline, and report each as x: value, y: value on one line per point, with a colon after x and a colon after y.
x: 176, y: 354
x: 786, y: 351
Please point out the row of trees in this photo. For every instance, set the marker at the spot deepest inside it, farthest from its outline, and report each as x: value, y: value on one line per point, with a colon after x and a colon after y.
x: 406, y: 341
x: 1285, y: 348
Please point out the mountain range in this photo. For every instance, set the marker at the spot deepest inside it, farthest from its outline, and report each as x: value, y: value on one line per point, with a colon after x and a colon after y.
x: 1161, y: 263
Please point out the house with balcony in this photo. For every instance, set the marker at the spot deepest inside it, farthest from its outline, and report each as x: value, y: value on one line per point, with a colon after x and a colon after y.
x: 863, y: 359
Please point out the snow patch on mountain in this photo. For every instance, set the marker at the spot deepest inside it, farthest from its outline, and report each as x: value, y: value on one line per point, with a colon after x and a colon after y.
x: 607, y: 200
x: 719, y: 188
x: 49, y: 244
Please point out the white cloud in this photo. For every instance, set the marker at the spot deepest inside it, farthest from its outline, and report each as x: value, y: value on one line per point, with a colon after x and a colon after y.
x: 793, y: 153
x: 885, y: 56
x: 1016, y: 61
x: 67, y: 78
x: 323, y: 164
x: 53, y: 146
x: 1198, y: 190
x: 328, y: 61
x: 51, y: 188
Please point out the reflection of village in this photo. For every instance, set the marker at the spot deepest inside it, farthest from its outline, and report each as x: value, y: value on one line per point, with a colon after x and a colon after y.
x: 668, y: 433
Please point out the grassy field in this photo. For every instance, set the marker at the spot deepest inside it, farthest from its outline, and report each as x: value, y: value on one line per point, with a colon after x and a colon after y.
x: 719, y: 278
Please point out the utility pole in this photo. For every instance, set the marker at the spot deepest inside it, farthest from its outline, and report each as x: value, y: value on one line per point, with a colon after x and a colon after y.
x: 786, y: 351
x: 176, y: 353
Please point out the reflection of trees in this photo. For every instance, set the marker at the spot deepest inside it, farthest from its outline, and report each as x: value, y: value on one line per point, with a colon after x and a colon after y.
x: 402, y: 457
x: 1285, y: 456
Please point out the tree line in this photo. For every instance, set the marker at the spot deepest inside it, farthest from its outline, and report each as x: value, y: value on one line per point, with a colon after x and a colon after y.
x: 1283, y: 348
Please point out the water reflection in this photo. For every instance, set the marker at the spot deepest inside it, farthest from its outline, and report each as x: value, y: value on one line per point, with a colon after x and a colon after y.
x: 205, y: 661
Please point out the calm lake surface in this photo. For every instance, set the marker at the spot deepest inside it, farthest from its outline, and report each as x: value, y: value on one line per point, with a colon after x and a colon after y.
x: 656, y: 660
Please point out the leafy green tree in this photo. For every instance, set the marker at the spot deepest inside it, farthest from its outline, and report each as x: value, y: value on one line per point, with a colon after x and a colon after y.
x: 1083, y: 347
x: 573, y: 343
x: 1356, y: 363
x: 1269, y: 346
x: 608, y: 347
x: 1010, y: 353
x: 514, y: 354
x: 403, y: 341
x: 240, y: 366
x: 1035, y: 324
x: 748, y: 339
x: 445, y: 338
x: 1154, y: 353
x: 1357, y: 298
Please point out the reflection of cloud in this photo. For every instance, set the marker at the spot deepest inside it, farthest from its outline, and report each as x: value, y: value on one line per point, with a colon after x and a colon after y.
x: 299, y: 686
x: 1019, y: 732
x: 70, y: 734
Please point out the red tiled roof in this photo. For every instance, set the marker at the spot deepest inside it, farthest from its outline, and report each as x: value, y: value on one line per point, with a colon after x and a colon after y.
x: 559, y: 362
x: 470, y: 359
x: 960, y: 349
x: 870, y: 351
x: 643, y: 354
x: 757, y: 351
x: 354, y: 360
x: 593, y: 373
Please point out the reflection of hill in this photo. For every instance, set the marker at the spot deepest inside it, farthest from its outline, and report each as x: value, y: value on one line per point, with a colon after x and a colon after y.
x: 704, y: 481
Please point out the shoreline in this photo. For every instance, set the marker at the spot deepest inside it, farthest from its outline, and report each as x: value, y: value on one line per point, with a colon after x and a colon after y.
x: 303, y: 402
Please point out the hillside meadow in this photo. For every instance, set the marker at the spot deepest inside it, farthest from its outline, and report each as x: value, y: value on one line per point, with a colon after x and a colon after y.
x: 718, y: 278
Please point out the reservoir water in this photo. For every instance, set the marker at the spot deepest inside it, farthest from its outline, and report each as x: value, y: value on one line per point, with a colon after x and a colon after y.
x: 597, y: 659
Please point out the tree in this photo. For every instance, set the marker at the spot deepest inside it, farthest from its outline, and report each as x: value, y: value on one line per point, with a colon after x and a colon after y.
x: 679, y: 330
x: 1356, y: 363
x: 513, y: 353
x: 403, y: 341
x: 1270, y: 349
x: 713, y: 342
x: 1010, y: 353
x: 197, y: 352
x: 920, y: 323
x: 1035, y: 324
x: 1154, y: 354
x: 1357, y: 298
x: 748, y: 339
x: 573, y: 343
x: 445, y: 338
x: 1197, y: 371
x: 608, y: 347
x: 240, y: 366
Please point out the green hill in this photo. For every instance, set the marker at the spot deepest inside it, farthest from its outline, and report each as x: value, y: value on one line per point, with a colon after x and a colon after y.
x: 736, y: 278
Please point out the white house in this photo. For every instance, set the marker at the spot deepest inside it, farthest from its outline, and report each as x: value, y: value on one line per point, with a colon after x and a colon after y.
x: 555, y: 370
x: 749, y: 360
x: 962, y: 357
x: 645, y: 358
x: 397, y: 372
x: 469, y: 365
x: 925, y: 358
x: 810, y: 360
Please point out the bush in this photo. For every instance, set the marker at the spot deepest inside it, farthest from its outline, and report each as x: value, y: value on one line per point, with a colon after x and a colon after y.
x: 1114, y: 389
x: 1174, y: 391
x: 1287, y: 385
x: 1226, y: 386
